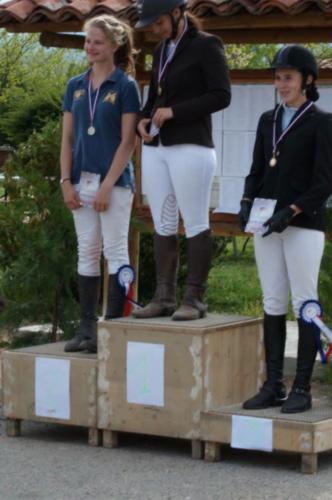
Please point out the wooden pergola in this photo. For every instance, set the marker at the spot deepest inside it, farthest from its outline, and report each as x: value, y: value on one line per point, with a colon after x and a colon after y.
x: 59, y: 23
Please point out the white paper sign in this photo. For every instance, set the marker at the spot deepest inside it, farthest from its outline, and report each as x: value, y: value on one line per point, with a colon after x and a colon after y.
x: 52, y: 388
x: 251, y: 433
x: 262, y: 209
x: 145, y: 373
x: 88, y: 187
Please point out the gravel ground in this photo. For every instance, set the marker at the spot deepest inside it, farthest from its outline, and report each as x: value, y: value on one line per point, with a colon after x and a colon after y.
x: 55, y: 463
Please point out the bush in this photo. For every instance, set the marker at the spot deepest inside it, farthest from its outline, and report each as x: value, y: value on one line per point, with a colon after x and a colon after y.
x: 37, y: 240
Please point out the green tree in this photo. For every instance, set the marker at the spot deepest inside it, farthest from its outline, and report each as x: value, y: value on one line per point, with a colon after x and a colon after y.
x: 37, y: 241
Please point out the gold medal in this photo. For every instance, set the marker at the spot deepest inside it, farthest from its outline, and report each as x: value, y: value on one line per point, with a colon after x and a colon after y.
x: 160, y: 90
x: 273, y: 161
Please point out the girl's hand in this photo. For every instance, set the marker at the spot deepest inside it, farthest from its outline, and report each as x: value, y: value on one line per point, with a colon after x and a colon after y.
x: 161, y: 116
x: 142, y: 128
x: 103, y: 198
x: 70, y: 196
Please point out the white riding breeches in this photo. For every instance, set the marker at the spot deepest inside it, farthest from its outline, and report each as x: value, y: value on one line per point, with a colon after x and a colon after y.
x: 107, y: 231
x: 179, y: 179
x: 289, y: 261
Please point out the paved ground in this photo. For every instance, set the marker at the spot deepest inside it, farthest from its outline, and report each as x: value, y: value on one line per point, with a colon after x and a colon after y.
x: 55, y: 463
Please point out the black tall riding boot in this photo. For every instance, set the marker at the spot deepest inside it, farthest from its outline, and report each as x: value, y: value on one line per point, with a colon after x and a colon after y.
x: 199, y: 261
x: 116, y: 298
x: 88, y: 289
x: 299, y: 398
x: 166, y: 254
x: 273, y: 392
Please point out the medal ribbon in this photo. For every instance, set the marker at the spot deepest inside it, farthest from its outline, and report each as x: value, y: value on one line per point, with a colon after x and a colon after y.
x: 92, y: 107
x: 162, y: 67
x: 275, y: 142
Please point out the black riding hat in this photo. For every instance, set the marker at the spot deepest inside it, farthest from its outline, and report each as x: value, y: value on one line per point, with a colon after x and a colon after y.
x: 296, y: 57
x: 150, y: 10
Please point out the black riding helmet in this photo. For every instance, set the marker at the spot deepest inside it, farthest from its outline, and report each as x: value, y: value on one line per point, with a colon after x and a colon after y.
x: 150, y: 10
x: 296, y: 57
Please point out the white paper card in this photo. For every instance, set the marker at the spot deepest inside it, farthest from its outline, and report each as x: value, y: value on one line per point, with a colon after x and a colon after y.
x: 262, y: 209
x: 154, y: 130
x: 251, y: 433
x: 145, y: 373
x: 52, y: 388
x: 88, y: 187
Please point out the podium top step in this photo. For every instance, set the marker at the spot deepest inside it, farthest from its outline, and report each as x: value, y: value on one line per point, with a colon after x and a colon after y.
x: 210, y: 322
x: 53, y: 349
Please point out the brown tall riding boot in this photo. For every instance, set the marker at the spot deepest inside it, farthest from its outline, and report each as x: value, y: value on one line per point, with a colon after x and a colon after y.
x: 166, y: 256
x: 199, y: 260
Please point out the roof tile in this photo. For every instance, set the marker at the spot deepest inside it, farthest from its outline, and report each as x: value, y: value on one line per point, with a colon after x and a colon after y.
x: 33, y: 11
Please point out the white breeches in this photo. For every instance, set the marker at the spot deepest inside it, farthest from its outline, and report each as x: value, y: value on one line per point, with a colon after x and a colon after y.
x: 179, y: 179
x: 107, y: 231
x: 289, y: 261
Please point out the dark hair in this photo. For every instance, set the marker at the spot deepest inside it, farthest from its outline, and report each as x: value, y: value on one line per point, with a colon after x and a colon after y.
x: 119, y: 33
x: 310, y: 89
x: 194, y: 20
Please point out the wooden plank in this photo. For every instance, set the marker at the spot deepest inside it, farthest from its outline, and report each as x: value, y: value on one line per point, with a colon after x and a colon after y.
x: 13, y: 427
x: 309, y: 463
x: 95, y: 437
x: 234, y: 366
x: 63, y: 40
x: 110, y: 439
x: 212, y: 451
x: 197, y: 449
x: 19, y: 386
x: 292, y: 436
x: 194, y: 351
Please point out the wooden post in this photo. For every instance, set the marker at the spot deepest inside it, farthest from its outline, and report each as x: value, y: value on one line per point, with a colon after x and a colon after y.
x: 197, y: 449
x: 110, y: 439
x: 309, y: 463
x: 95, y: 436
x: 212, y: 452
x: 134, y: 240
x: 13, y: 427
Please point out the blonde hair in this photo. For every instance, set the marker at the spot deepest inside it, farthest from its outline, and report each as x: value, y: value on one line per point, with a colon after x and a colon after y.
x: 119, y: 33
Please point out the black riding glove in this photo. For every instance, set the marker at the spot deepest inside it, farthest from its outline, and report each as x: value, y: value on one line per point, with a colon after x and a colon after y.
x: 244, y: 213
x: 279, y: 221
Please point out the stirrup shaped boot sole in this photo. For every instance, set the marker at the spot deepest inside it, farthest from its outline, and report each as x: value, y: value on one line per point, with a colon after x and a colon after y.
x: 266, y: 398
x: 154, y: 310
x: 74, y: 344
x: 188, y: 313
x: 298, y: 401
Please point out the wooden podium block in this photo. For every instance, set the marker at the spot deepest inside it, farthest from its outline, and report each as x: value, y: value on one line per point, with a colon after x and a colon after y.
x: 206, y: 363
x: 19, y: 384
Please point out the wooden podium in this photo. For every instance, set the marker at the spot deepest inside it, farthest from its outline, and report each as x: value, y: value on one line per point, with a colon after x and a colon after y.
x: 156, y: 376
x: 19, y: 378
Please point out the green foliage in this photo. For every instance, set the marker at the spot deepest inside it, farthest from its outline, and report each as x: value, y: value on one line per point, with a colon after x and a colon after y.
x: 32, y: 82
x: 260, y: 56
x: 325, y: 277
x: 37, y: 242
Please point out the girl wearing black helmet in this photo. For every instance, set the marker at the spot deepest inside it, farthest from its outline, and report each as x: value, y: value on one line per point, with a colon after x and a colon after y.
x: 292, y: 165
x: 189, y: 82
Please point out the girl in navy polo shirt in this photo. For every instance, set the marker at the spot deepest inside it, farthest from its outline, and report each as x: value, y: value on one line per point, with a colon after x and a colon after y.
x: 292, y: 173
x: 100, y: 112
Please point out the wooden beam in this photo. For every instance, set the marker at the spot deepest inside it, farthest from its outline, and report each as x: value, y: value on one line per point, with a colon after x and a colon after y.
x: 309, y: 19
x: 246, y: 76
x: 61, y: 40
x: 69, y: 27
x: 262, y: 35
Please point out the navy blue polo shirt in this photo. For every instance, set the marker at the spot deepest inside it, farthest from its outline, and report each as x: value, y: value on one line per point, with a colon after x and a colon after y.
x: 94, y: 153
